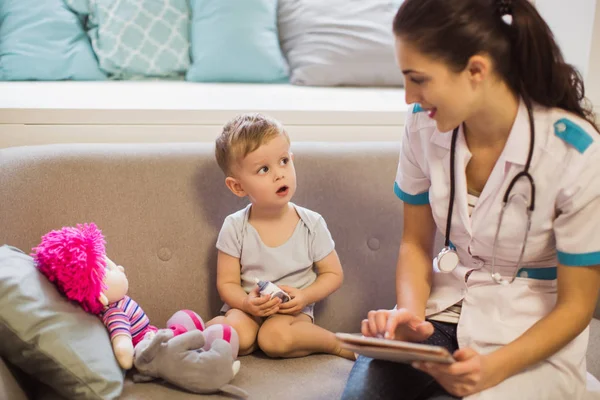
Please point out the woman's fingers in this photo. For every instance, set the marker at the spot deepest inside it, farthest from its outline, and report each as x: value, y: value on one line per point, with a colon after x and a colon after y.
x: 409, y: 326
x: 371, y: 316
x: 397, y: 318
x: 425, y: 328
x: 385, y: 323
x: 381, y: 318
x: 364, y: 328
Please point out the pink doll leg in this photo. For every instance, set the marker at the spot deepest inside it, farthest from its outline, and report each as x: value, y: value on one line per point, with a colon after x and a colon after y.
x: 225, y: 332
x: 185, y: 320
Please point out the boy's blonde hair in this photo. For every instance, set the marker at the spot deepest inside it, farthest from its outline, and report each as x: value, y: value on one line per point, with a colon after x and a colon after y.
x: 244, y: 134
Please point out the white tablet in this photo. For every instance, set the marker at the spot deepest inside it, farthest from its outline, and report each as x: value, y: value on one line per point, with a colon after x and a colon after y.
x: 394, y: 350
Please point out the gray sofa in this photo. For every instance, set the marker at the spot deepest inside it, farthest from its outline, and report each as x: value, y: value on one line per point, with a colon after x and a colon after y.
x: 161, y: 207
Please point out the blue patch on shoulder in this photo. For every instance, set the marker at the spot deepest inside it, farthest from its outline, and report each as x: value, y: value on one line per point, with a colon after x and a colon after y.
x: 417, y: 108
x: 573, y: 134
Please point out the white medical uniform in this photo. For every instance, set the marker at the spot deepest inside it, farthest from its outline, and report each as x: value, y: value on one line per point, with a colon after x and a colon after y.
x: 565, y: 229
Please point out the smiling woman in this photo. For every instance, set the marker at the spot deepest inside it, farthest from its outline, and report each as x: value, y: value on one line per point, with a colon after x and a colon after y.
x: 497, y: 103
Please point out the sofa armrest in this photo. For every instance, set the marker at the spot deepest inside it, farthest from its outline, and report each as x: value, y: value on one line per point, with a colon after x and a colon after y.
x: 9, y: 385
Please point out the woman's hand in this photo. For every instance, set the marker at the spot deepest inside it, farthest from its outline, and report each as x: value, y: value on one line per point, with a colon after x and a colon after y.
x: 471, y: 373
x: 398, y: 324
x: 296, y: 304
x: 261, y: 306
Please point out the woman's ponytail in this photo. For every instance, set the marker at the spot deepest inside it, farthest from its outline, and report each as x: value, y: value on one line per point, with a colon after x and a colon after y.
x: 540, y: 70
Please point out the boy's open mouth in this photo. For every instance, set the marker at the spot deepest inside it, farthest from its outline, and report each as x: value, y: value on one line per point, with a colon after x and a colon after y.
x: 282, y: 191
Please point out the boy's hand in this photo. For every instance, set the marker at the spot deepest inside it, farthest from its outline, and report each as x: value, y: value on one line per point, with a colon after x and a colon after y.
x: 296, y: 304
x: 260, y: 306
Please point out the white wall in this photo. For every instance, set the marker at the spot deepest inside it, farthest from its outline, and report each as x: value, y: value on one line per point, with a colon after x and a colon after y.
x: 572, y: 23
x: 593, y: 73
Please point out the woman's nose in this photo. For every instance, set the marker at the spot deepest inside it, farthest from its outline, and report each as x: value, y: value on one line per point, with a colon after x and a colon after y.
x: 411, y: 95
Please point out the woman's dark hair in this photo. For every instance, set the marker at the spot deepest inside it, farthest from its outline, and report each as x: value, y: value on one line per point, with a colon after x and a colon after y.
x: 524, y: 52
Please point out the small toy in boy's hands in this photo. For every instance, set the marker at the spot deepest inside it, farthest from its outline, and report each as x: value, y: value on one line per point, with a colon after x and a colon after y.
x: 269, y: 288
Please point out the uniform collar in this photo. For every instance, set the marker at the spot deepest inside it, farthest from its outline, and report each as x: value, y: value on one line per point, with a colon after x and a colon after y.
x: 516, y: 147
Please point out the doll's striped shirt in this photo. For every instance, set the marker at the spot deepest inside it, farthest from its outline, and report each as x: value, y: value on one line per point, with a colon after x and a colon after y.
x: 126, y: 317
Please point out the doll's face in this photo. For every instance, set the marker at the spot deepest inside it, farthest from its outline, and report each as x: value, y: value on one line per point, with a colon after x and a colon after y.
x: 115, y: 281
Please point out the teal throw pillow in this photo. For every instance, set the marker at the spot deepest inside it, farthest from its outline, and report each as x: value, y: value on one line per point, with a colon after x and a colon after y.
x: 236, y: 41
x: 44, y: 40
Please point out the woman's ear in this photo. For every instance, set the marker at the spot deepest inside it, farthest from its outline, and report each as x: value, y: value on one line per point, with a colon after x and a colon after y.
x: 102, y: 299
x: 235, y: 186
x: 478, y: 68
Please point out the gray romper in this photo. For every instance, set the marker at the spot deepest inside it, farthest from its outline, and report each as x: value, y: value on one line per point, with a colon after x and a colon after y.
x: 290, y: 264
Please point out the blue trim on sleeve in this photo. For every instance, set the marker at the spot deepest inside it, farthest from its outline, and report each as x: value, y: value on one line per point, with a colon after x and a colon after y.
x: 544, y: 274
x: 414, y: 199
x: 579, y: 259
x: 417, y: 108
x: 573, y: 134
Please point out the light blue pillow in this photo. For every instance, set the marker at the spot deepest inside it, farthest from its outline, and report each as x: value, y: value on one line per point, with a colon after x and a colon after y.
x: 44, y: 40
x: 139, y: 38
x: 236, y: 41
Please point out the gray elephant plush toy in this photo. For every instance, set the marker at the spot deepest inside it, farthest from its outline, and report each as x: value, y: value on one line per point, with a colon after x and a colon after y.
x: 181, y: 361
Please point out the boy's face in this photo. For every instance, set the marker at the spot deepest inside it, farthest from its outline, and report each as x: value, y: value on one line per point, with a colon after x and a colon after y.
x: 267, y: 175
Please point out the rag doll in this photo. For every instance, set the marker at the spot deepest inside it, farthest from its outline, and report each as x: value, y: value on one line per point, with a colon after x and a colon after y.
x: 74, y: 259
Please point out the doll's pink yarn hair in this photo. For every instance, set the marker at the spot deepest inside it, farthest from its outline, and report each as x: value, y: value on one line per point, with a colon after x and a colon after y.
x: 73, y: 259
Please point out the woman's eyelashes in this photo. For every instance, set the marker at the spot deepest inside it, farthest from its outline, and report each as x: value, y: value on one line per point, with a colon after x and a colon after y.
x: 418, y: 81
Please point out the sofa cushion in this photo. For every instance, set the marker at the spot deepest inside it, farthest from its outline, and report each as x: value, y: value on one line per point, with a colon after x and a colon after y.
x: 339, y: 42
x: 44, y: 40
x: 235, y: 41
x: 49, y: 337
x: 316, y: 377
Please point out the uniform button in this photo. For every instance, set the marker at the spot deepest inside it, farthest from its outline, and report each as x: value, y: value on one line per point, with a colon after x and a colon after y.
x: 561, y: 127
x: 523, y: 274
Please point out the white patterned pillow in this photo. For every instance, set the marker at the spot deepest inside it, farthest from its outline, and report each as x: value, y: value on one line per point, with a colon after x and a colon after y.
x: 138, y: 38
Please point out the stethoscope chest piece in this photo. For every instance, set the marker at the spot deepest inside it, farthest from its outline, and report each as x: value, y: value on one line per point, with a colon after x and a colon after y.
x: 447, y: 260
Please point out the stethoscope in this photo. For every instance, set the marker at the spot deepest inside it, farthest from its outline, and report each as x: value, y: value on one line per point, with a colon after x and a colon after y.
x: 447, y: 260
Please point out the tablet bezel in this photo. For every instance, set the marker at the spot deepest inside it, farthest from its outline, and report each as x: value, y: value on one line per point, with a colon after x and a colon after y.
x: 394, y: 350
